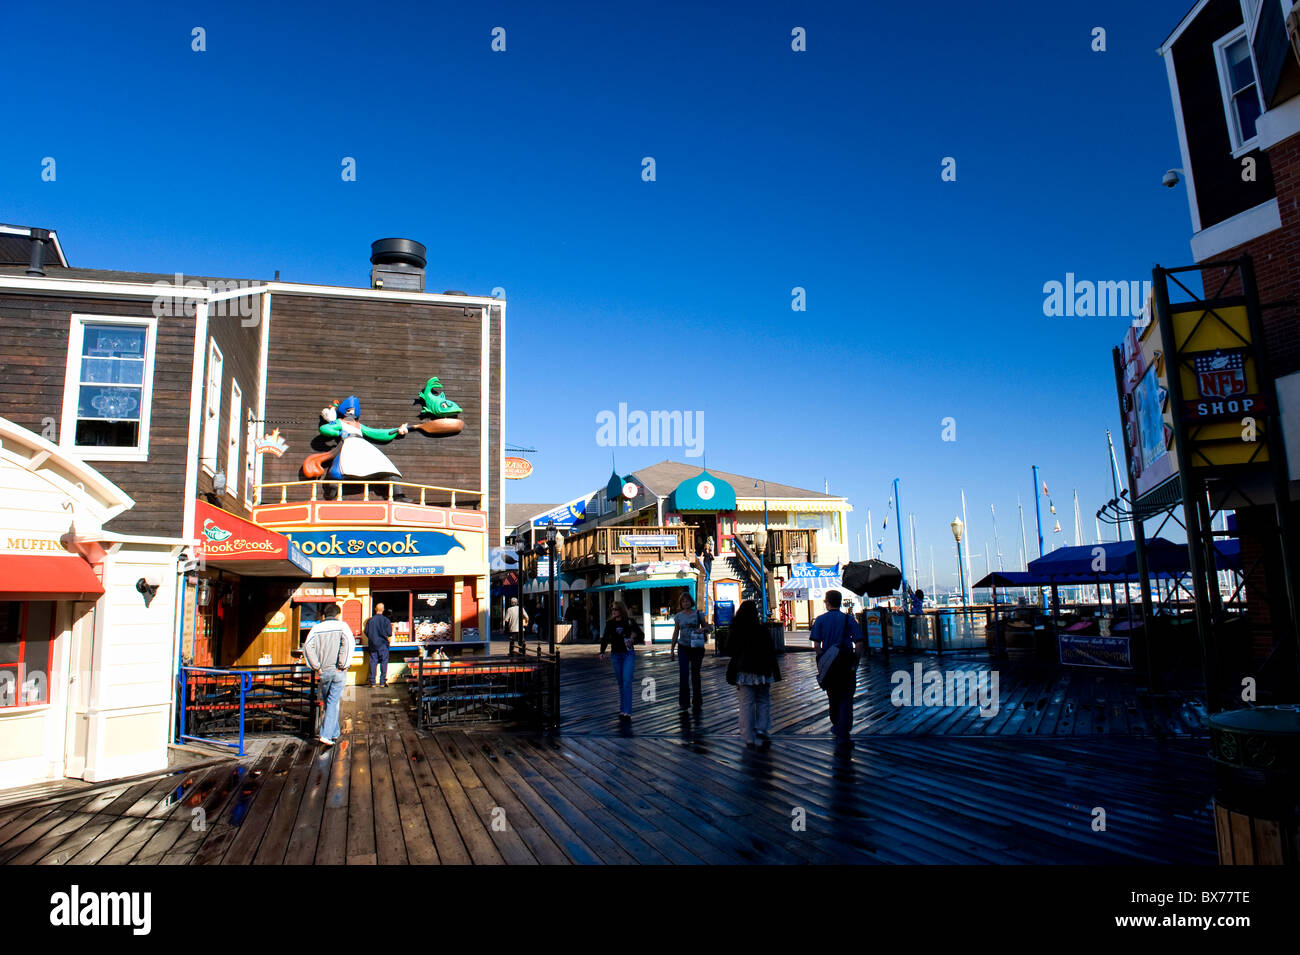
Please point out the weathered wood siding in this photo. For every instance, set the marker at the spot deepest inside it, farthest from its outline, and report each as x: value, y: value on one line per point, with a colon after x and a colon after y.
x: 324, y: 348
x: 33, y: 359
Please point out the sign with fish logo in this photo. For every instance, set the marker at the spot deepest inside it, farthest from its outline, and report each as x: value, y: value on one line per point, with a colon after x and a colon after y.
x: 214, y: 533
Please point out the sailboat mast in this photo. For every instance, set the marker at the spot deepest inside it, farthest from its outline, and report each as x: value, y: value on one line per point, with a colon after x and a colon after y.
x: 1114, y: 480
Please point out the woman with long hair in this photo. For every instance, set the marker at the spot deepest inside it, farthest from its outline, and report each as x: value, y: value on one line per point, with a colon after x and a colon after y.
x: 752, y: 671
x: 620, y: 633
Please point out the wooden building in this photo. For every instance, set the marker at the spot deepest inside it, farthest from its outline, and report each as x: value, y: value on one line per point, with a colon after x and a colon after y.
x: 641, y: 537
x: 180, y: 411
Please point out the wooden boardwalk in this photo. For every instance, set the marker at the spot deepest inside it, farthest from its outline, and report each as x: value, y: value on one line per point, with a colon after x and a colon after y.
x: 924, y: 787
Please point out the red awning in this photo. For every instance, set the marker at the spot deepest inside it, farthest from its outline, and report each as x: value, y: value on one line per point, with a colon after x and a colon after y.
x: 47, y: 577
x: 231, y: 543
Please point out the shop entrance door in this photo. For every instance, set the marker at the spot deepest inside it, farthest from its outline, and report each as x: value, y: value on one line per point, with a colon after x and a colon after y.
x: 81, y: 652
x: 705, y: 527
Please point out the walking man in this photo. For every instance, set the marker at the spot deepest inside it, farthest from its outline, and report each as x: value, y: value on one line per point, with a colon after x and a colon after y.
x: 328, y: 651
x: 837, y: 629
x: 516, y: 625
x: 379, y: 631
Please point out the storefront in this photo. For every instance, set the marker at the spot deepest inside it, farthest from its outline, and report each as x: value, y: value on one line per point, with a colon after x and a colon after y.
x: 427, y: 565
x: 86, y: 623
x: 236, y: 604
x: 652, y: 593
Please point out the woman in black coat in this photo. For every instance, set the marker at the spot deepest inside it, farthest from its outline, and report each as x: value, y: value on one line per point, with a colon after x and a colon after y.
x: 752, y: 671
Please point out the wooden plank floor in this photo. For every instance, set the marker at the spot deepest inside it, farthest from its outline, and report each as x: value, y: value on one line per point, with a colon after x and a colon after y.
x: 925, y: 785
x: 1033, y: 699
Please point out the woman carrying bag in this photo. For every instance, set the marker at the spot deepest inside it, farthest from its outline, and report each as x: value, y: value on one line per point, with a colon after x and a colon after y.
x: 620, y: 634
x: 692, y: 631
x: 752, y: 671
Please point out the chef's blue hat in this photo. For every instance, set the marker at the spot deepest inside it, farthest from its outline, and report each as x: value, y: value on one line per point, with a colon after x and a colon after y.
x: 350, y: 403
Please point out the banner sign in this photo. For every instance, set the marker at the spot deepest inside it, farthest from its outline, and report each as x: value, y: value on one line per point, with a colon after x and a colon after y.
x: 1144, y: 398
x: 647, y: 540
x: 380, y: 570
x: 1111, y: 653
x: 565, y: 515
x: 349, y: 543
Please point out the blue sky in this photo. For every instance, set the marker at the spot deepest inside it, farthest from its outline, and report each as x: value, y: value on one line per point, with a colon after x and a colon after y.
x: 774, y: 169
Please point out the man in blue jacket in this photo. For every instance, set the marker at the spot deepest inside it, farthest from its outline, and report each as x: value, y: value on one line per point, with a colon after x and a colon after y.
x: 835, y: 628
x: 379, y: 631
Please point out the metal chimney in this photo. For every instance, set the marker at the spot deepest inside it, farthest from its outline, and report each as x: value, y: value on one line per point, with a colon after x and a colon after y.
x: 397, y: 264
x: 40, y: 238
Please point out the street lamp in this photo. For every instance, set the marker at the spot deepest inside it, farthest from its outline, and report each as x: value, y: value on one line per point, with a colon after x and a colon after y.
x: 551, y: 535
x: 762, y: 548
x: 521, y: 551
x: 957, y: 528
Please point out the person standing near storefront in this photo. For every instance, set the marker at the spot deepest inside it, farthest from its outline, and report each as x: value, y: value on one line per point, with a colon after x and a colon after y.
x: 837, y: 629
x: 692, y: 630
x: 752, y: 671
x: 379, y: 631
x: 516, y: 624
x: 621, y: 632
x: 328, y: 651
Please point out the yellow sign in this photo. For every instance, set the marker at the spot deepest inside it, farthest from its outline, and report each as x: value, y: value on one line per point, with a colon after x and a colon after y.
x: 1224, y: 411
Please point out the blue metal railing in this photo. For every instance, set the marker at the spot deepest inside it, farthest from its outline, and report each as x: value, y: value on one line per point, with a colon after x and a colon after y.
x: 283, y: 699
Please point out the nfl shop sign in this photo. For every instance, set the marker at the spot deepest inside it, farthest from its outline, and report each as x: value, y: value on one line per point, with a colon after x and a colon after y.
x: 1221, y: 387
x: 516, y: 469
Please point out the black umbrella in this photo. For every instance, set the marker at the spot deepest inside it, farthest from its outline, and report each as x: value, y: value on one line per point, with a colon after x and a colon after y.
x: 871, y: 578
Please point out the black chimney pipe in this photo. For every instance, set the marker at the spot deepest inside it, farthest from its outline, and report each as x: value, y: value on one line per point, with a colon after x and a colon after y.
x: 36, y: 266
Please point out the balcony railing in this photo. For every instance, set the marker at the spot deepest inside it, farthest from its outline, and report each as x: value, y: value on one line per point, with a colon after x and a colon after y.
x: 601, y: 546
x: 787, y: 546
x: 402, y: 492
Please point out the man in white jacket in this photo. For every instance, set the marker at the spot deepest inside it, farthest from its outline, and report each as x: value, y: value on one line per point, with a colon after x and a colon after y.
x: 328, y: 651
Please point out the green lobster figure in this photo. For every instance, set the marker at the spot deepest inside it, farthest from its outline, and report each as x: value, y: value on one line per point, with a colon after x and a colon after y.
x: 435, y: 402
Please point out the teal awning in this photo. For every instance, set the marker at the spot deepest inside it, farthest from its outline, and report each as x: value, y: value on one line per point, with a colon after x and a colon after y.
x: 704, y: 492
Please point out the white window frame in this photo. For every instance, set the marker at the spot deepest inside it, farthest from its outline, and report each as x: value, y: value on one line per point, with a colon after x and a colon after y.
x: 1239, y: 147
x: 234, y: 464
x: 72, y: 387
x: 212, y: 407
x: 250, y: 459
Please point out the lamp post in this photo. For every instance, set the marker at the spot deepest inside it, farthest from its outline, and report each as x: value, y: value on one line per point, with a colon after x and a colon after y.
x: 762, y: 548
x: 521, y: 550
x: 553, y: 539
x: 957, y: 528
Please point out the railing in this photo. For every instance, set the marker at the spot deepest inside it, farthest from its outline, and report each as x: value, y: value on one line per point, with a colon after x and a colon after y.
x: 291, y: 492
x: 239, y: 701
x: 601, y: 545
x: 519, y: 690
x: 785, y: 545
x: 749, y: 563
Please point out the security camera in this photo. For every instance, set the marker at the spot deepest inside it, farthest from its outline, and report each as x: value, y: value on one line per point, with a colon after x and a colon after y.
x: 1172, y: 178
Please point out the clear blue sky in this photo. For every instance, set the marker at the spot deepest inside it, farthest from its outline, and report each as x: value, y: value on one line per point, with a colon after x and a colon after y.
x: 775, y: 169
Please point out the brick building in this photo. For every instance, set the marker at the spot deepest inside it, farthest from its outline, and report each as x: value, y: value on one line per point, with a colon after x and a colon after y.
x: 1234, y: 78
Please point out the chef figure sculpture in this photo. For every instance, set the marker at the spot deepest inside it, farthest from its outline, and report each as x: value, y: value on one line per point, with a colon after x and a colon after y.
x: 356, y: 456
